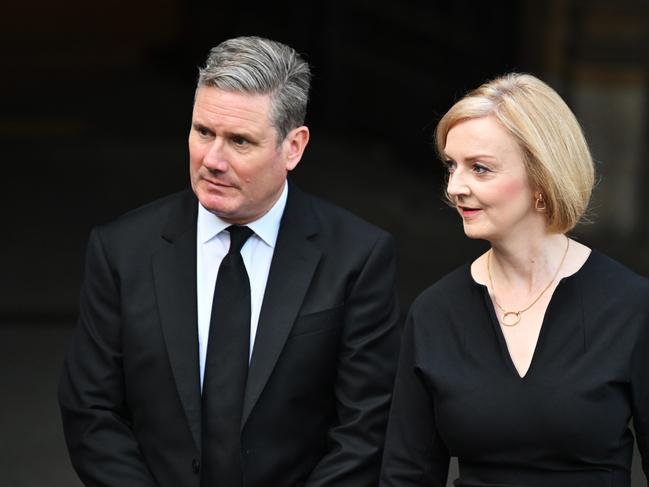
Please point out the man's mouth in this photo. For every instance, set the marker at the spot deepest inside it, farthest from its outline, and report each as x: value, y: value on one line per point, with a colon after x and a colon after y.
x: 221, y: 184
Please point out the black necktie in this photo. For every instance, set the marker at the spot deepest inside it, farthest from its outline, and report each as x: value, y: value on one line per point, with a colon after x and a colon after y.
x: 226, y: 369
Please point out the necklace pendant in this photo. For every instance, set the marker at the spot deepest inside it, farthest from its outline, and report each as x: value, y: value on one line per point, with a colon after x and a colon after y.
x: 511, y: 318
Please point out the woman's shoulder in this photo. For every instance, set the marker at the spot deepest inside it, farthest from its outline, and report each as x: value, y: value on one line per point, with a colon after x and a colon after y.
x: 615, y: 272
x: 454, y: 287
x: 605, y: 276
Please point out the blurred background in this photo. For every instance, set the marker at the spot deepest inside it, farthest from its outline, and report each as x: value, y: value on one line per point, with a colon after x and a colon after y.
x: 95, y: 108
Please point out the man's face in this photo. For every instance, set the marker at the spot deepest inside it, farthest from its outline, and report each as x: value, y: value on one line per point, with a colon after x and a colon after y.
x: 237, y: 167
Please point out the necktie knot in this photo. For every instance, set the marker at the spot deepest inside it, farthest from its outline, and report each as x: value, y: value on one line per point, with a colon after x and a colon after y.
x: 238, y: 236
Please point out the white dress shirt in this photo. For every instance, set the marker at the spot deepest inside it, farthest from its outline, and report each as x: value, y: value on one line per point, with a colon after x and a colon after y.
x: 212, y: 244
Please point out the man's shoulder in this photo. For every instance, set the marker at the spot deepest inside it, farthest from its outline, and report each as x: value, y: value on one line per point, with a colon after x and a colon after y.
x: 154, y: 214
x: 336, y: 220
x: 146, y: 225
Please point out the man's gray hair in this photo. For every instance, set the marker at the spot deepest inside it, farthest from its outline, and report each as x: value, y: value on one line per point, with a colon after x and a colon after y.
x: 261, y: 66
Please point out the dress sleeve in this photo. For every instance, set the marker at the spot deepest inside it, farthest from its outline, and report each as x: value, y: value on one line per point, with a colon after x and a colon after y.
x: 640, y: 392
x: 415, y: 454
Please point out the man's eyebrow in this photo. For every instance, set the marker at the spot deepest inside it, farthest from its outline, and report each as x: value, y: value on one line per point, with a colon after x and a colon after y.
x: 242, y: 133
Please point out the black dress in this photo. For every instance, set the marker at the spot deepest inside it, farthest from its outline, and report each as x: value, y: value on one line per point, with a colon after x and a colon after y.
x: 564, y: 424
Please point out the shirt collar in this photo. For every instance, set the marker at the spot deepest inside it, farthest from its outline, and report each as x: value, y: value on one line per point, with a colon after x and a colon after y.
x: 266, y: 227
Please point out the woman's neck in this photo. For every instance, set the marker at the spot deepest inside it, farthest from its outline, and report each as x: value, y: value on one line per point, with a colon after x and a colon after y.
x: 529, y: 261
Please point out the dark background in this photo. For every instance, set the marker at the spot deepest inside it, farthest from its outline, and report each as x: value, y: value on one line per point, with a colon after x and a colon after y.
x: 95, y: 105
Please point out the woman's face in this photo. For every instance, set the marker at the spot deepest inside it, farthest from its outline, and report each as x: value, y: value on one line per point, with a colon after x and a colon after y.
x: 488, y: 181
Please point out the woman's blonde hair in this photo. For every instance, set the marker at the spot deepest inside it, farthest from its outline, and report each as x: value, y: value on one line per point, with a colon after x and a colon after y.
x: 556, y: 155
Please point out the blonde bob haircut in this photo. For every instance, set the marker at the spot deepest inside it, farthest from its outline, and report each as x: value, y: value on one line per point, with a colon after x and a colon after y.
x: 556, y: 156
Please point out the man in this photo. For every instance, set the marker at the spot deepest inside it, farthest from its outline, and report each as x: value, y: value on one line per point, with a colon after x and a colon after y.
x: 243, y: 333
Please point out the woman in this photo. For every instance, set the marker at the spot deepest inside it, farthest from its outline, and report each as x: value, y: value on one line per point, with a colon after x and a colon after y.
x: 528, y: 363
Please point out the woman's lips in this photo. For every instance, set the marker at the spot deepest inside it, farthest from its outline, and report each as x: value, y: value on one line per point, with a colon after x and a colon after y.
x: 467, y: 211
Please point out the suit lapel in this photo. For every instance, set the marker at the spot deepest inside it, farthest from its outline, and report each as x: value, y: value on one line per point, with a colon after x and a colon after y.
x: 294, y: 261
x: 174, y: 271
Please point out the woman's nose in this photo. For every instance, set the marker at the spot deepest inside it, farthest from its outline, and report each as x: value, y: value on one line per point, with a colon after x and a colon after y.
x: 457, y: 185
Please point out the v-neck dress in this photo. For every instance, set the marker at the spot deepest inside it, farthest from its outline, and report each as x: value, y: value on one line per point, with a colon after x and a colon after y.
x: 564, y: 424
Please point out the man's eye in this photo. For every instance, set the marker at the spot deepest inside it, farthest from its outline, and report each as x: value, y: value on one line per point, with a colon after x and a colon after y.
x: 240, y: 141
x: 203, y: 132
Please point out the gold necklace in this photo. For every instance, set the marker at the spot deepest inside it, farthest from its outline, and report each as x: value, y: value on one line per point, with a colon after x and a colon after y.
x: 515, y: 316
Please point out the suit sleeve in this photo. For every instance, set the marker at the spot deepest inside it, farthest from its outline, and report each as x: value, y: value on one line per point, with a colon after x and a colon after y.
x: 365, y: 375
x: 415, y: 455
x: 640, y: 393
x: 100, y: 440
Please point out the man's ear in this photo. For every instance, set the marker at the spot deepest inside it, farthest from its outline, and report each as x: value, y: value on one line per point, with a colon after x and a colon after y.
x: 294, y: 145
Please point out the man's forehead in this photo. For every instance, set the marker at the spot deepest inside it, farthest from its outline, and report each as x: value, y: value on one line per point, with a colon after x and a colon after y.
x: 215, y: 103
x: 214, y: 93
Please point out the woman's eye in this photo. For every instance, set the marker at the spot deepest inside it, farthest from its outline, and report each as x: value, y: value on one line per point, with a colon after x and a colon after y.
x: 480, y: 169
x: 450, y: 166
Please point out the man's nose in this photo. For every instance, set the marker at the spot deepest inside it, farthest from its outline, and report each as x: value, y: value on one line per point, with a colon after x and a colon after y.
x: 215, y: 158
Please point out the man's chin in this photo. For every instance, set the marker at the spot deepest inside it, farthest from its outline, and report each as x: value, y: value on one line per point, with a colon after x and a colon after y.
x: 223, y: 209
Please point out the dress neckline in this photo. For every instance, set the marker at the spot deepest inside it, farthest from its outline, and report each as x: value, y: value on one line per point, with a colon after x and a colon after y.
x: 587, y: 263
x: 563, y: 282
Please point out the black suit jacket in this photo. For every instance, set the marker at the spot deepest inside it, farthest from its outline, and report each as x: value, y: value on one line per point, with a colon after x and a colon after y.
x: 320, y: 378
